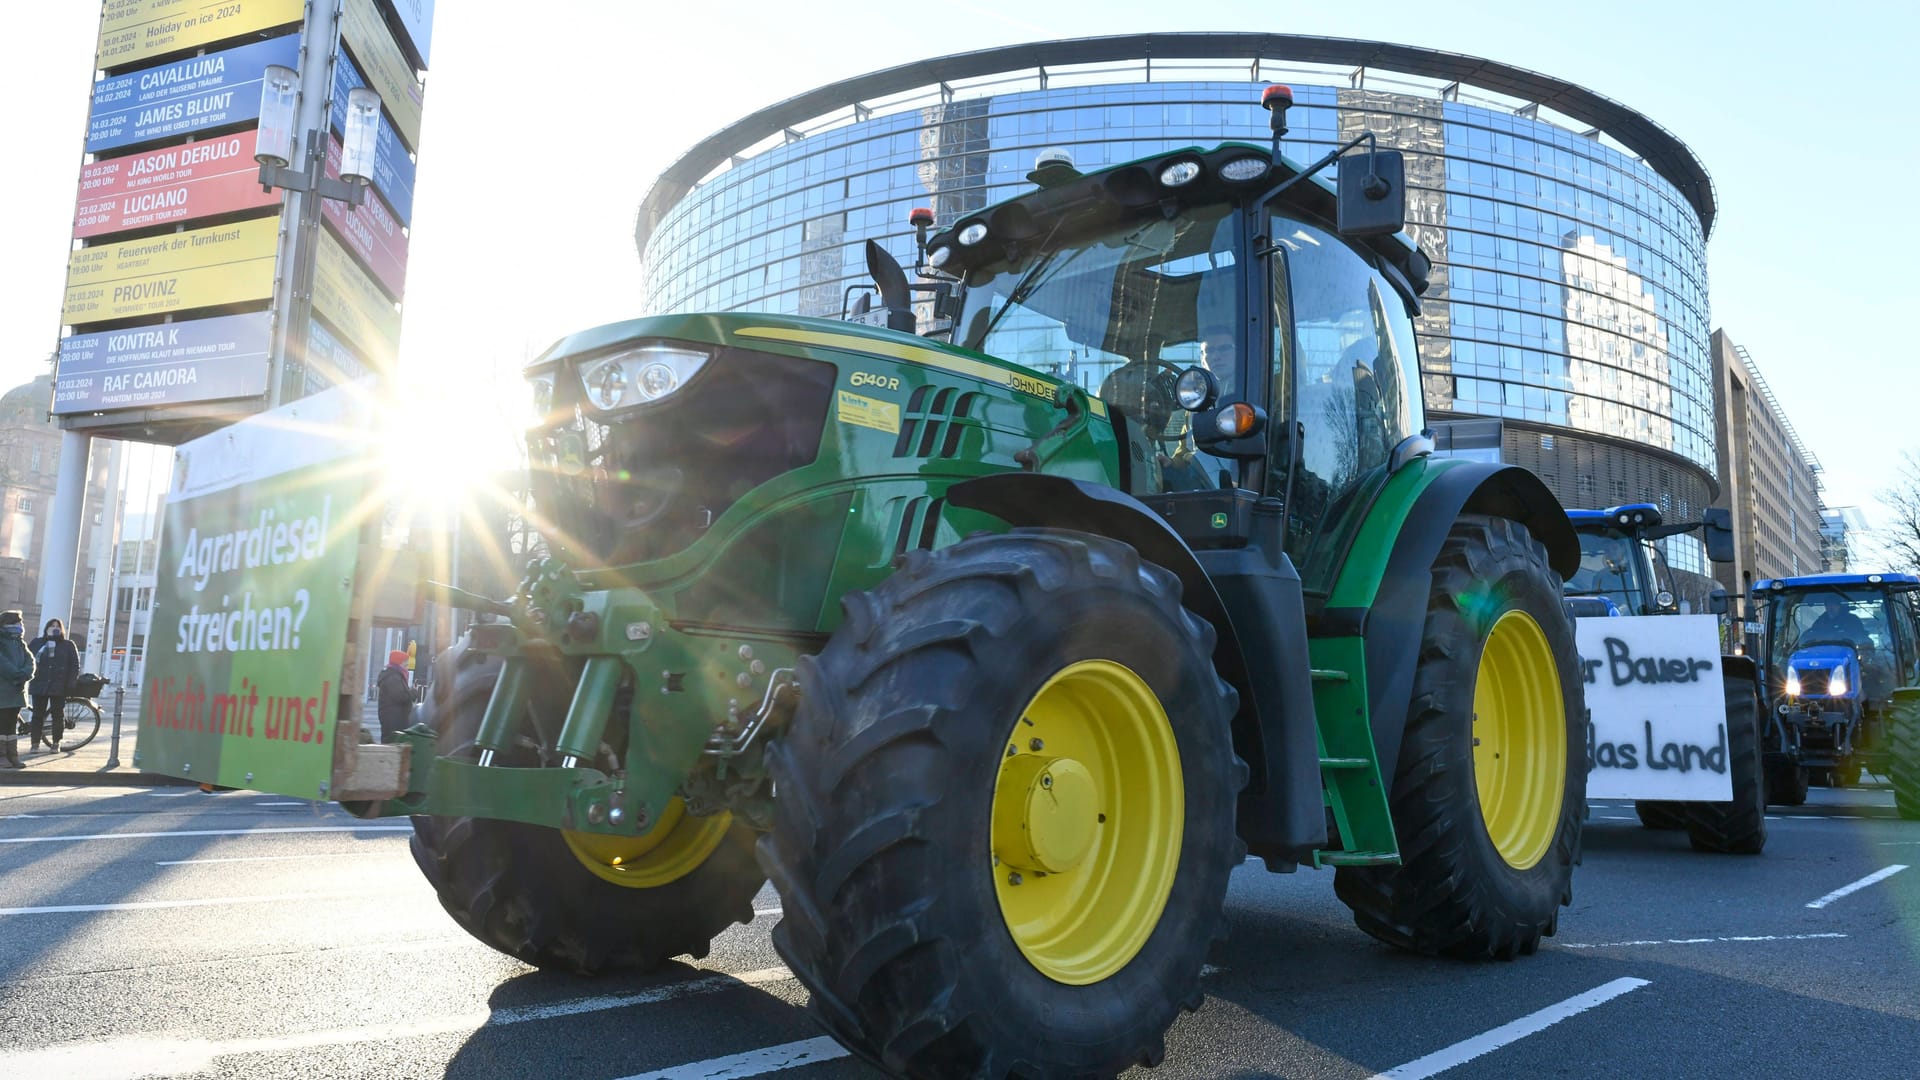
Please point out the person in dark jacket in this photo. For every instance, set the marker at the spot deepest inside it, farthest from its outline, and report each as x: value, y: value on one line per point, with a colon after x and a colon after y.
x: 394, y: 695
x: 16, y: 670
x: 56, y: 666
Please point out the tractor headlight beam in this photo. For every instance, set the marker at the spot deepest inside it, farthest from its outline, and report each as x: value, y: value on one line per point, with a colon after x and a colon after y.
x: 638, y: 376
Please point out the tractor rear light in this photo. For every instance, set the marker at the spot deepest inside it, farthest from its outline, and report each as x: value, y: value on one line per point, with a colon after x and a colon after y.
x: 1237, y: 420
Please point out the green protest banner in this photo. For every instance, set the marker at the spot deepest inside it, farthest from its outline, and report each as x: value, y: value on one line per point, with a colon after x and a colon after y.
x: 253, y: 601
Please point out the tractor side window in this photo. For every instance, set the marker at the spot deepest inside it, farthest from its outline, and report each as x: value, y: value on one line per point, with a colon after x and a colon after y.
x: 1352, y: 365
x: 1906, y: 640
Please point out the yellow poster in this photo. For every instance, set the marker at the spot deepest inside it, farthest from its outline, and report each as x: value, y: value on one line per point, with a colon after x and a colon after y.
x: 354, y: 306
x: 223, y: 264
x: 386, y: 69
x: 134, y: 30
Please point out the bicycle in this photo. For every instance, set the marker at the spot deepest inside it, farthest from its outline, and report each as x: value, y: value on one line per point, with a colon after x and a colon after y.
x: 81, y: 713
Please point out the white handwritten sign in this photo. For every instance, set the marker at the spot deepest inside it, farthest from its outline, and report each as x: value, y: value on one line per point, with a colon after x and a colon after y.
x: 1658, y: 717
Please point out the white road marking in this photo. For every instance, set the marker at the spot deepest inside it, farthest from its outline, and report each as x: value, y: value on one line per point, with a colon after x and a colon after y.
x: 173, y: 794
x: 1870, y: 879
x: 298, y: 803
x: 204, y: 832
x: 753, y: 1063
x: 126, y: 1059
x: 1531, y: 1024
x: 210, y: 901
x: 276, y: 858
x: 1742, y: 938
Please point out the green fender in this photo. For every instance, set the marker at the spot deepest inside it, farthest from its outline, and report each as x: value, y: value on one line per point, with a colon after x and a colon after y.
x: 1380, y: 591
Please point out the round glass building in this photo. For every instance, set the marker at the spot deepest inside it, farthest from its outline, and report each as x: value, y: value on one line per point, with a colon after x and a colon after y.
x: 1568, y: 232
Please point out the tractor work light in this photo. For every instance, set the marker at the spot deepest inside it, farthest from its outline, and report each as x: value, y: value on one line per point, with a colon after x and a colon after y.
x: 1837, y: 685
x: 638, y: 376
x: 1196, y: 389
x: 1793, y: 683
x: 973, y: 234
x: 938, y: 257
x: 1663, y: 599
x: 1241, y: 170
x: 1180, y: 173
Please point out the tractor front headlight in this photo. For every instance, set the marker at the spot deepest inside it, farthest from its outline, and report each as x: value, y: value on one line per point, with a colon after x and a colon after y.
x: 638, y: 376
x: 1793, y: 683
x: 1837, y: 685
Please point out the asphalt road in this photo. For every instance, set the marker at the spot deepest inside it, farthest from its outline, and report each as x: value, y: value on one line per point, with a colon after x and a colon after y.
x: 173, y: 933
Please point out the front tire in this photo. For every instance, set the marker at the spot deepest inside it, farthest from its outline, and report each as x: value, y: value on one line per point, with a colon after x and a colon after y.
x: 1489, y: 790
x: 1738, y: 827
x: 1903, y: 760
x: 538, y: 895
x: 1787, y: 784
x: 1659, y: 814
x: 915, y: 819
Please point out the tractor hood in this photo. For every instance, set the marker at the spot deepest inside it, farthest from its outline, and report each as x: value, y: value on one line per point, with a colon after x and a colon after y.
x: 1815, y: 666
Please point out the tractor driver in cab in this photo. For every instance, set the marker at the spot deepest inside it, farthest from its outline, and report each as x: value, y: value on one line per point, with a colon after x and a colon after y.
x: 1144, y: 389
x: 1836, y: 624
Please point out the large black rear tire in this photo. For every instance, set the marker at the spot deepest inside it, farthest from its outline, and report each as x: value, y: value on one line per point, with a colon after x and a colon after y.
x: 1787, y: 784
x: 1903, y: 759
x: 885, y: 846
x: 1738, y: 827
x: 520, y: 888
x: 1454, y: 893
x: 1660, y: 814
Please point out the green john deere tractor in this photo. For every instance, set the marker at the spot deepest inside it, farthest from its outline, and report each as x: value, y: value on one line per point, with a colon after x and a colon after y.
x: 1001, y: 652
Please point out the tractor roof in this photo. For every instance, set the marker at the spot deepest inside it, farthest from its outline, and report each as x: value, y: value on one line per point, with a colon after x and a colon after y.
x: 1137, y: 187
x: 1899, y: 582
x: 1645, y: 514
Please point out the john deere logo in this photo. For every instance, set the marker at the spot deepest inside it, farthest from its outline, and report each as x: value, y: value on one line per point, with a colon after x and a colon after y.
x: 1219, y: 521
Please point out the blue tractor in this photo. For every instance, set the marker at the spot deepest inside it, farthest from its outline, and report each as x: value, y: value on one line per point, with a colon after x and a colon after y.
x: 1840, y: 654
x: 1624, y: 575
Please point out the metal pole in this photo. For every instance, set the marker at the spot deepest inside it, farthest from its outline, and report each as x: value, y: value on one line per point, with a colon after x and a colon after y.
x: 319, y: 40
x: 113, y: 748
x: 62, y: 550
x: 106, y: 542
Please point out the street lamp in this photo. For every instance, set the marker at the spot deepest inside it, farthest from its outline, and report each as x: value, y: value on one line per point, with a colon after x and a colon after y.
x: 274, y: 150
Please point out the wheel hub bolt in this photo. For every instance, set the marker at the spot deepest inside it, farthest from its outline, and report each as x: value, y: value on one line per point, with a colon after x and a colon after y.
x: 1036, y: 745
x: 1014, y: 878
x: 596, y: 813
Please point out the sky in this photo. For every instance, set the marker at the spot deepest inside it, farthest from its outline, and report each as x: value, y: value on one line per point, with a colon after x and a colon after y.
x: 546, y: 123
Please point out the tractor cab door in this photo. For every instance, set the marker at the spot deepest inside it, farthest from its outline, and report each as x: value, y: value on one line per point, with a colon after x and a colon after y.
x: 1343, y: 390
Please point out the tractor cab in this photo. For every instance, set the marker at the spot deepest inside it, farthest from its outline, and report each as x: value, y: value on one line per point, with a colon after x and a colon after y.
x: 1240, y: 340
x: 1622, y: 569
x: 1835, y: 647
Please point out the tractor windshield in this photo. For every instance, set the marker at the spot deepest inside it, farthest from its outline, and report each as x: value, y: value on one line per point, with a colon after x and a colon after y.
x: 1607, y: 560
x: 1848, y: 617
x: 1122, y: 312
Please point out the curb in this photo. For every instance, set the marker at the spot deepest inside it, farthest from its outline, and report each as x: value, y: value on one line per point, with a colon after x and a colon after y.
x: 89, y: 778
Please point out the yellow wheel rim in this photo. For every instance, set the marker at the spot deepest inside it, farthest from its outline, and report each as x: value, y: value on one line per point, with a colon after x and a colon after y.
x: 1088, y: 813
x: 668, y: 852
x: 1519, y: 740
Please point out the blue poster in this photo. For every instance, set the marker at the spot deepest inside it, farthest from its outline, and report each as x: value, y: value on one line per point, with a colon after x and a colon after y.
x: 416, y: 18
x: 169, y: 364
x: 329, y: 362
x: 188, y: 95
x: 393, y: 167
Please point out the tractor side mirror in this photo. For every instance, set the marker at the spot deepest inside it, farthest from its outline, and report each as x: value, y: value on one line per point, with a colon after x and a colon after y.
x: 1716, y: 526
x: 1717, y: 602
x: 1372, y: 193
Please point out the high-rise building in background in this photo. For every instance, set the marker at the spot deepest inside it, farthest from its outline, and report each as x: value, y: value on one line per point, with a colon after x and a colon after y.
x: 1768, y: 477
x: 1568, y: 232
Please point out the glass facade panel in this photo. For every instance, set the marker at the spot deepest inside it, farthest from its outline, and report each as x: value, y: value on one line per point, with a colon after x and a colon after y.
x: 1569, y: 287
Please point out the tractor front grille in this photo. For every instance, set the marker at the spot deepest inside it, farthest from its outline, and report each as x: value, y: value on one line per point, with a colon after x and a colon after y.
x: 646, y: 484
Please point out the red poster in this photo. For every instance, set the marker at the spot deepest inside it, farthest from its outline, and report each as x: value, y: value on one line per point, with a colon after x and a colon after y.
x: 170, y: 186
x: 370, y: 231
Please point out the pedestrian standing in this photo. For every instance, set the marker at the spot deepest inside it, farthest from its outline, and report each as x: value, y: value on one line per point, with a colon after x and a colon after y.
x: 16, y: 670
x: 394, y: 695
x: 56, y: 667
